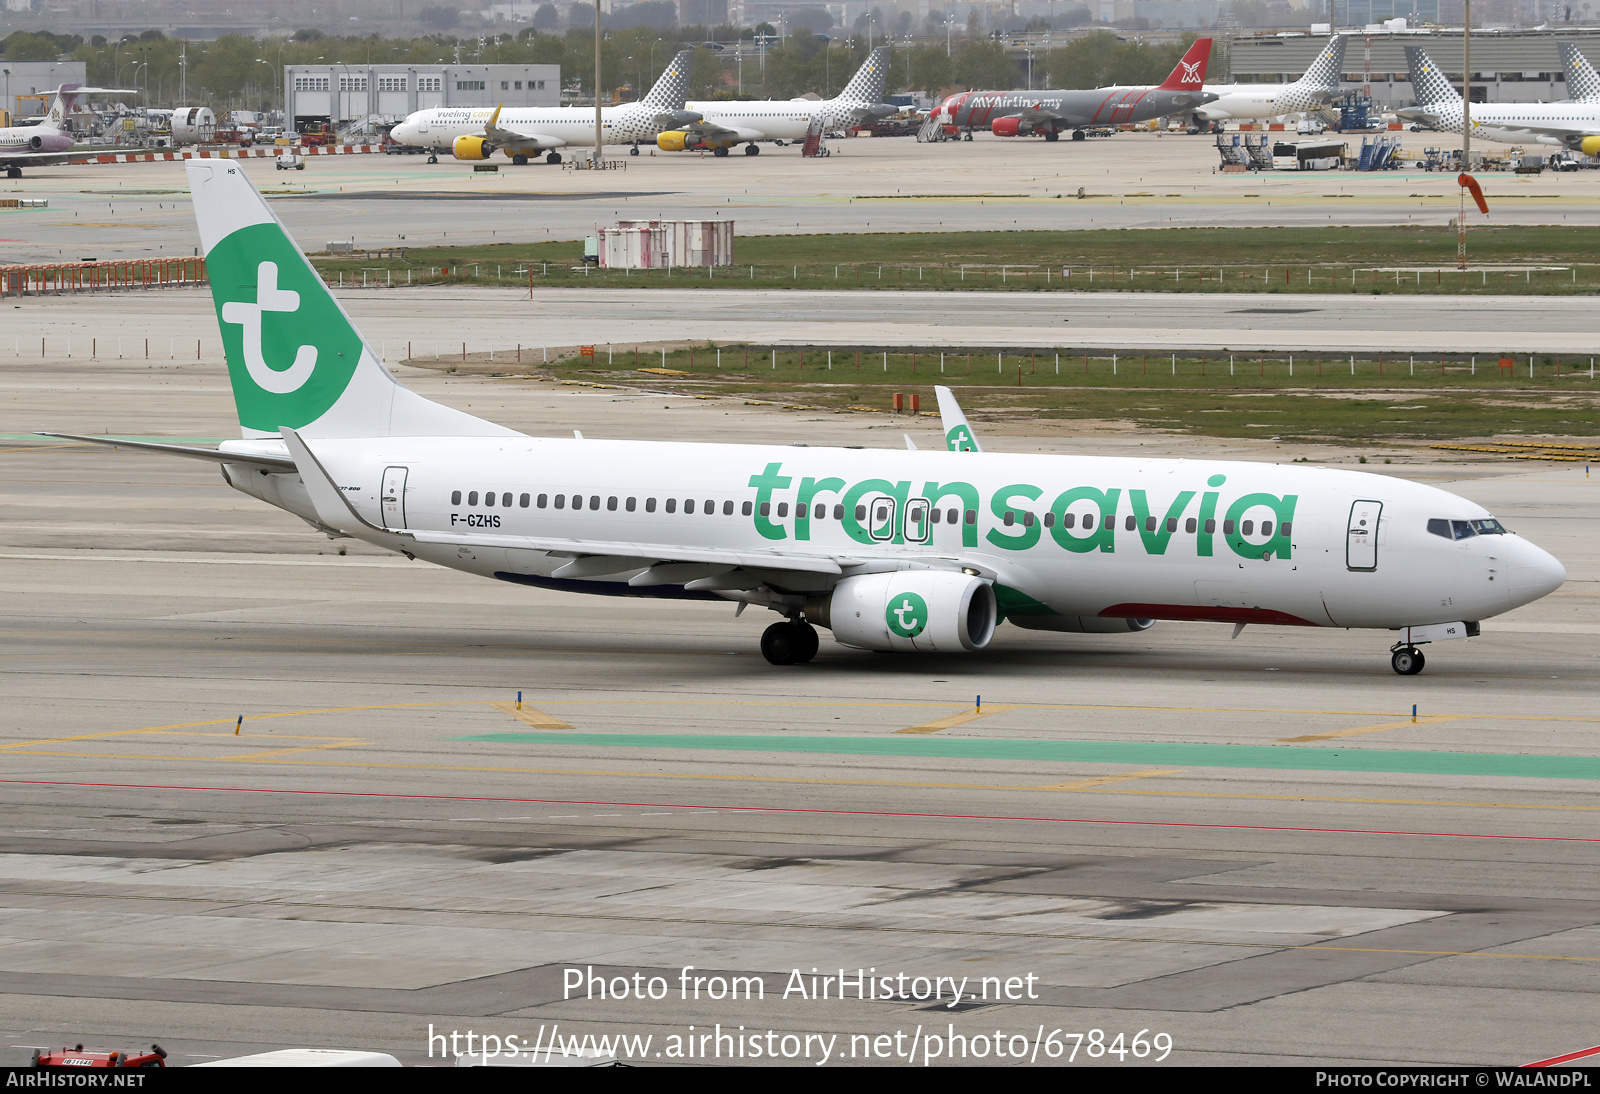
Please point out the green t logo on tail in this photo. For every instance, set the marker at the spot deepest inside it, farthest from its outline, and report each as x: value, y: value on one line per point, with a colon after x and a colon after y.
x: 907, y: 615
x: 291, y: 351
x: 960, y: 439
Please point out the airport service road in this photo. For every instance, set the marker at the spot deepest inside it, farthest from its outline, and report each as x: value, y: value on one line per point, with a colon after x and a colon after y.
x: 437, y: 321
x: 1129, y: 181
x: 1246, y: 844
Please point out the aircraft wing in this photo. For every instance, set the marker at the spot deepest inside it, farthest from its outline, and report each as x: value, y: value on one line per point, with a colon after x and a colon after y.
x: 1033, y: 115
x: 711, y: 130
x: 507, y: 137
x: 1566, y: 134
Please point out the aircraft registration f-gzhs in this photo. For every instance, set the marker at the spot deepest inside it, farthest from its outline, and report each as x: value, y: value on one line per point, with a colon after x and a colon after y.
x: 891, y: 550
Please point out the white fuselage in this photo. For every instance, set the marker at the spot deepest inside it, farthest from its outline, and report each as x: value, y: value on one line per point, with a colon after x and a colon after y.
x: 551, y: 126
x: 1255, y: 102
x: 1511, y: 122
x: 778, y: 119
x: 1062, y: 536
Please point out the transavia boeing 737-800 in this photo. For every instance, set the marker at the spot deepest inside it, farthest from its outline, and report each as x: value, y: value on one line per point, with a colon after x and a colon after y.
x: 891, y: 550
x: 1050, y: 113
x: 476, y: 133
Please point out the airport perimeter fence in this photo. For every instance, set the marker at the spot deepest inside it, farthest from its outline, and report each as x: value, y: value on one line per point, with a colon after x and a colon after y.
x: 58, y: 278
x: 1034, y: 368
x: 1294, y: 278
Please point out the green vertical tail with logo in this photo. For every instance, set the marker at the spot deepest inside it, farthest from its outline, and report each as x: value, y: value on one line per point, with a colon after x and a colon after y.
x: 294, y: 357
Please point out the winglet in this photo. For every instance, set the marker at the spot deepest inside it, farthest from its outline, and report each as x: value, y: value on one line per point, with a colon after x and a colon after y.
x: 495, y: 117
x: 957, y: 433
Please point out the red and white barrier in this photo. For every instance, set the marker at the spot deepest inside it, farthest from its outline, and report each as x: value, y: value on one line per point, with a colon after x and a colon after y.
x: 260, y: 152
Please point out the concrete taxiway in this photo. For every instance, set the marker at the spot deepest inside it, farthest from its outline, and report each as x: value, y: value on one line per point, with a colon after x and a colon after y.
x: 1245, y: 844
x: 1133, y: 180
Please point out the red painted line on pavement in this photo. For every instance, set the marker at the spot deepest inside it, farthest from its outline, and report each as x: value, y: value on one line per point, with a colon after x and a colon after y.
x: 808, y: 812
x: 1580, y: 1054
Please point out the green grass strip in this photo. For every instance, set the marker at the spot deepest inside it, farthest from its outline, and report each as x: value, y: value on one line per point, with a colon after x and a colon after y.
x: 1286, y: 758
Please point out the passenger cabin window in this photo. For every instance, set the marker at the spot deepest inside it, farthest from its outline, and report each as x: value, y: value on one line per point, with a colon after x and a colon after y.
x: 594, y: 501
x: 1247, y: 528
x: 1227, y: 527
x: 1172, y: 524
x: 631, y: 504
x: 1189, y: 525
x: 561, y: 501
x: 543, y: 500
x: 783, y: 509
x: 838, y: 512
x: 861, y: 512
x: 649, y: 505
x: 488, y: 499
x: 972, y: 516
x: 505, y: 500
x: 611, y: 505
x: 1069, y: 520
x: 472, y: 498
x: 455, y: 498
x: 522, y: 502
x: 672, y: 505
x: 746, y: 508
x: 727, y: 509
x: 688, y: 505
x: 1130, y: 524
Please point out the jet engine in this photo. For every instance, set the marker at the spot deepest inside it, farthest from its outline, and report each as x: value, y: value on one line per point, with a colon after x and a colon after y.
x: 922, y: 610
x: 471, y: 148
x: 672, y: 140
x: 36, y: 142
x: 1590, y: 146
x: 1007, y: 127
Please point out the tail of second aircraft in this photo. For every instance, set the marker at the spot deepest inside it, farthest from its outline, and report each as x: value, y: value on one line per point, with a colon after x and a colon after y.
x: 1324, y: 73
x: 294, y: 357
x: 672, y: 88
x: 1583, y: 82
x: 1428, y: 83
x: 1190, y: 72
x: 866, y: 87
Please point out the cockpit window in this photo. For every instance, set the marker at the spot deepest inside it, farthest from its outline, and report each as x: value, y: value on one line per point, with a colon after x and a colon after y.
x: 1464, y: 529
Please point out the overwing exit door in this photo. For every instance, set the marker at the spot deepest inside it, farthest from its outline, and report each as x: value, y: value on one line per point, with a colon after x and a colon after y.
x: 393, y: 498
x: 1361, y: 543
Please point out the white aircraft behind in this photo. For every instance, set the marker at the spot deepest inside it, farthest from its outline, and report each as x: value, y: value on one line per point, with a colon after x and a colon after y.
x: 1583, y: 82
x: 890, y: 549
x: 476, y: 133
x: 48, y: 141
x: 1313, y: 90
x: 725, y: 123
x: 1573, y: 124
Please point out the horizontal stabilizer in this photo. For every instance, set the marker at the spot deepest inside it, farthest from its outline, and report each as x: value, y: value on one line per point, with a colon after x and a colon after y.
x: 276, y: 463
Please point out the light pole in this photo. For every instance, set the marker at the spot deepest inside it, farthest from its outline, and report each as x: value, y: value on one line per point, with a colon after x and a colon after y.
x: 598, y: 124
x: 653, y: 46
x: 949, y: 22
x: 271, y: 72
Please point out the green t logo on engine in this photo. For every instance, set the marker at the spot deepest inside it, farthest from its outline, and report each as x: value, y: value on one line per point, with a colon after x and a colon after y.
x: 907, y: 615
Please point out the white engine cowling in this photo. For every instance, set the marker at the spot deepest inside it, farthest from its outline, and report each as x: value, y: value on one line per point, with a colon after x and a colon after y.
x: 923, y: 610
x: 1081, y: 624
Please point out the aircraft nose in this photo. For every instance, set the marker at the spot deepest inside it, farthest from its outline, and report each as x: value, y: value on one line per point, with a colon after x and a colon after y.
x: 1534, y: 571
x: 403, y: 133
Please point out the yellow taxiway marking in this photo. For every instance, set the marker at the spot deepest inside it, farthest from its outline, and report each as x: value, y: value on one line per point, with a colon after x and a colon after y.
x: 954, y: 720
x: 791, y: 780
x: 1104, y: 780
x: 1425, y: 720
x: 921, y: 929
x: 538, y: 719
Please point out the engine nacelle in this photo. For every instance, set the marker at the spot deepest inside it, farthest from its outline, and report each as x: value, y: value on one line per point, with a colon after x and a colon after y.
x: 36, y: 142
x: 672, y: 140
x: 1080, y: 624
x: 471, y: 148
x: 1007, y: 127
x: 923, y: 610
x: 1590, y: 146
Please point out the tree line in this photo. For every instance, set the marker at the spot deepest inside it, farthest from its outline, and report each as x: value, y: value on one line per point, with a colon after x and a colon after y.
x: 238, y: 71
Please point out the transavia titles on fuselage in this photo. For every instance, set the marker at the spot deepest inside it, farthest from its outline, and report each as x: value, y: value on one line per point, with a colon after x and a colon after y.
x: 891, y: 550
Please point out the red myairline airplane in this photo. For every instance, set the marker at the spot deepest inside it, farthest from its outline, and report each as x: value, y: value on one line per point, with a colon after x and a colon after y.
x: 1050, y: 113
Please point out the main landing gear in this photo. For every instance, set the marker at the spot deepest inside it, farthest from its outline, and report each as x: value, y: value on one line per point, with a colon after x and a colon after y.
x: 792, y: 642
x: 553, y: 158
x: 520, y: 160
x: 752, y: 149
x: 1407, y: 660
x: 1052, y: 135
x: 719, y: 151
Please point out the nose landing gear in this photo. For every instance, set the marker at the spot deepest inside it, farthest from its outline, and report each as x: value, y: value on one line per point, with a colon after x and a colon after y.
x: 789, y: 643
x: 1407, y: 660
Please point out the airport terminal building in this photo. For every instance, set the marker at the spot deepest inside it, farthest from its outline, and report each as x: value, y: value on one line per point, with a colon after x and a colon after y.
x: 335, y: 94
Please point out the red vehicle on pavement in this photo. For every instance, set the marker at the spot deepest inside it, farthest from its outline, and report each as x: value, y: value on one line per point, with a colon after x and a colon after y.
x: 71, y: 1059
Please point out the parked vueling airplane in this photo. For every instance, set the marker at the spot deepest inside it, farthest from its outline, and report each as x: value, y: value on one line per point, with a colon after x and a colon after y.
x: 1316, y: 88
x: 1051, y: 113
x: 724, y: 124
x: 891, y: 550
x: 476, y: 133
x: 1573, y: 124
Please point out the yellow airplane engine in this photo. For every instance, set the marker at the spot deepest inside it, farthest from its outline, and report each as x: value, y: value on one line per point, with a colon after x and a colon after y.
x: 471, y: 148
x: 673, y: 140
x: 1590, y: 146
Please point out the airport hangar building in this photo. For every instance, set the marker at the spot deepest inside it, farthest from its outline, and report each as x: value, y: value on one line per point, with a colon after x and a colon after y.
x: 339, y: 93
x: 1520, y: 66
